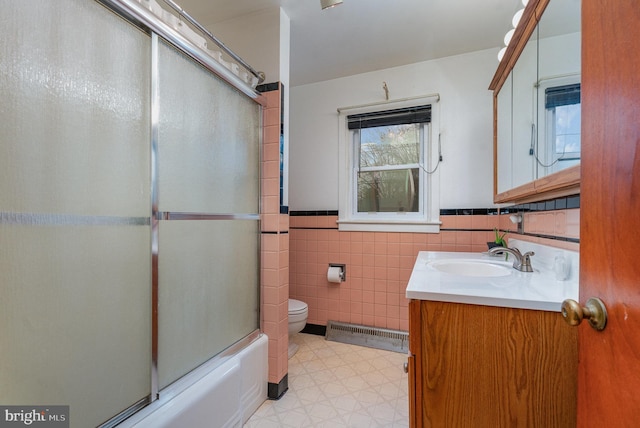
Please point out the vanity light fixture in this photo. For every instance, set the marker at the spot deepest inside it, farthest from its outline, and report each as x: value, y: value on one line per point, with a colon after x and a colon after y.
x: 508, y: 36
x: 326, y: 4
x: 517, y: 17
x: 501, y: 53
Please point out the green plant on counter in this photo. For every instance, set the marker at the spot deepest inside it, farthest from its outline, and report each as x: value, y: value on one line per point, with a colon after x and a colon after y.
x: 500, y: 237
x: 500, y: 240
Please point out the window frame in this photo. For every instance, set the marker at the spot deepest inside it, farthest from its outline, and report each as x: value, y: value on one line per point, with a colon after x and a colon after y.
x: 427, y: 219
x: 546, y: 144
x: 356, y: 169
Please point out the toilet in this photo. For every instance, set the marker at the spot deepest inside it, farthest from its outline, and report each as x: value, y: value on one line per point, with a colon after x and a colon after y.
x: 298, y: 312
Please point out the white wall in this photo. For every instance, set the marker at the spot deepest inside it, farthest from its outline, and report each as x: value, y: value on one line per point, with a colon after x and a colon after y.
x: 466, y: 127
x: 285, y: 54
x: 255, y: 38
x: 263, y: 39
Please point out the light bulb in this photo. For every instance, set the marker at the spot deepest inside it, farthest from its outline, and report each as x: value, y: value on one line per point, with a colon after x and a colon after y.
x: 516, y: 18
x: 508, y: 36
x: 501, y: 53
x: 327, y: 4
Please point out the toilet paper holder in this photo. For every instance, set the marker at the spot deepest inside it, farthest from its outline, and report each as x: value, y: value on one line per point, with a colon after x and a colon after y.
x: 343, y: 270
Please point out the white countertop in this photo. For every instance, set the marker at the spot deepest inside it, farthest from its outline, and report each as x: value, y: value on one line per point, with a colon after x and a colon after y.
x: 539, y: 290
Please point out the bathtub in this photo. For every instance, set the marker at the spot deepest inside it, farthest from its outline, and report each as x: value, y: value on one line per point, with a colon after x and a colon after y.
x: 222, y: 393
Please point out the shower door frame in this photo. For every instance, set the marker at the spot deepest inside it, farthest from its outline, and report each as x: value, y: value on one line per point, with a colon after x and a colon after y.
x: 133, y: 12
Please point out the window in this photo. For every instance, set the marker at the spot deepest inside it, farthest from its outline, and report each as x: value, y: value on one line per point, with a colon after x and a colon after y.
x: 563, y: 113
x: 386, y: 184
x: 562, y: 127
x: 387, y: 175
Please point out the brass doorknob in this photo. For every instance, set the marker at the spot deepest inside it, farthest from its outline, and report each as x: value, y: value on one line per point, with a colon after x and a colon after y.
x: 594, y: 311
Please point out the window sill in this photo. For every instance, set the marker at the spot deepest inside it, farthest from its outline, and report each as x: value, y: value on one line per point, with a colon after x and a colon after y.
x: 415, y: 226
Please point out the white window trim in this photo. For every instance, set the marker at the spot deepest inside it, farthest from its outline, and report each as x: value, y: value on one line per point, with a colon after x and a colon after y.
x: 429, y: 220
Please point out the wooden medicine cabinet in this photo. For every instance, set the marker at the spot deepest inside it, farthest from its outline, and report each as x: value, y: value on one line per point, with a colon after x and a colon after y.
x: 536, y: 102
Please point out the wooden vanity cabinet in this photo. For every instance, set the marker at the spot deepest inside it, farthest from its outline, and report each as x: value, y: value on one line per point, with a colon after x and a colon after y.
x: 485, y: 366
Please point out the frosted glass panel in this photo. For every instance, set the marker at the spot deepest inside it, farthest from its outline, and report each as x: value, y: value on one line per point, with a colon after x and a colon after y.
x: 75, y: 279
x: 74, y: 116
x: 208, y: 291
x: 208, y: 144
x: 75, y: 318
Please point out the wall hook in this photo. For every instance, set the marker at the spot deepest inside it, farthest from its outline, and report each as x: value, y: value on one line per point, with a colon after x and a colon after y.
x: 386, y: 90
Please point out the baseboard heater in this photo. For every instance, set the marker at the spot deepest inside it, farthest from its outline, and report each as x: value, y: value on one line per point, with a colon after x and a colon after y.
x: 372, y: 337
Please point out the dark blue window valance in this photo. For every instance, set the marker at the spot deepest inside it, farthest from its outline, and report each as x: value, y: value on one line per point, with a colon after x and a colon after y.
x: 562, y: 95
x: 419, y: 114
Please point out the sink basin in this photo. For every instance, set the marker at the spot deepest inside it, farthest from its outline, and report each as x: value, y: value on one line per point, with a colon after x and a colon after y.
x: 479, y: 279
x: 476, y: 268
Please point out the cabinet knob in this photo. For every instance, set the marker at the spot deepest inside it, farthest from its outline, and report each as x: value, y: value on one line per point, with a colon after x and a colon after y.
x: 405, y: 367
x: 594, y: 311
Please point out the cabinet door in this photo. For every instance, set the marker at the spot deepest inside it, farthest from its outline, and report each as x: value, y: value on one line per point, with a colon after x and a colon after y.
x: 414, y: 365
x: 411, y: 370
x: 486, y: 366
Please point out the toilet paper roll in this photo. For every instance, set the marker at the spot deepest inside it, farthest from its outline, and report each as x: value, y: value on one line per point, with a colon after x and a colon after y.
x: 333, y: 274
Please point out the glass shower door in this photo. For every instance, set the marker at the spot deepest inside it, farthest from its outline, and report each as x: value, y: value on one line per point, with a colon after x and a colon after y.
x: 129, y: 211
x: 208, y: 154
x: 75, y: 266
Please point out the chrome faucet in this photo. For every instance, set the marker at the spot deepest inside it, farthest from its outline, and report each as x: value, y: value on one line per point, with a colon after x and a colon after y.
x: 522, y: 262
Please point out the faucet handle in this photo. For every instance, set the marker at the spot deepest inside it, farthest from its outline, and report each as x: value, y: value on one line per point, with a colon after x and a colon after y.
x: 516, y: 250
x: 526, y: 262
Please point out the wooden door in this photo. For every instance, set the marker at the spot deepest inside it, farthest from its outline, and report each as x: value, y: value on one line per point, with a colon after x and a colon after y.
x: 609, y: 361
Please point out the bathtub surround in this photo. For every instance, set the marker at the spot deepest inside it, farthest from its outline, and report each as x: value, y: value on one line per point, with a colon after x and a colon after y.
x: 274, y: 245
x: 380, y: 263
x: 223, y: 393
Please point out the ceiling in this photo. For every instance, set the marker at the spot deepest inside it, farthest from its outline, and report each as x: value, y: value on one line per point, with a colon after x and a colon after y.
x: 365, y: 35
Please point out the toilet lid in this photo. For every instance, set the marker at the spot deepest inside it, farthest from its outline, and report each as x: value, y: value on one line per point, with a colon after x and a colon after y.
x: 297, y: 306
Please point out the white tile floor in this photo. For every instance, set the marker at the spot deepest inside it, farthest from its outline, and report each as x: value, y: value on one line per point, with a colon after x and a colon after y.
x: 337, y: 385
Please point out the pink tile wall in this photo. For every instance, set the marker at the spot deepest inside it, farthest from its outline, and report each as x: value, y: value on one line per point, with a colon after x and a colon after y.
x: 378, y: 264
x: 563, y: 223
x: 274, y: 245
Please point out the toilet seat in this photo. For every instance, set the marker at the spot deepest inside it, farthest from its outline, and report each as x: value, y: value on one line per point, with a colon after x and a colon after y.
x: 296, y: 307
x: 298, y: 311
